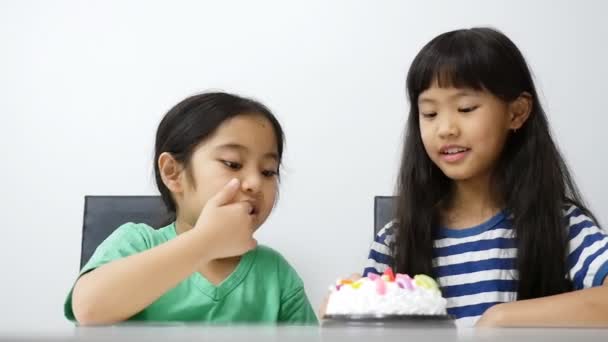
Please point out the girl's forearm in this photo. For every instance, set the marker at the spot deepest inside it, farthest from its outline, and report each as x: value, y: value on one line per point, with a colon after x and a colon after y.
x: 583, y: 308
x: 118, y: 290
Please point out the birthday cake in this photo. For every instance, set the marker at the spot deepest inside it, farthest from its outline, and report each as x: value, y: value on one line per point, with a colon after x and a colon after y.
x: 386, y: 295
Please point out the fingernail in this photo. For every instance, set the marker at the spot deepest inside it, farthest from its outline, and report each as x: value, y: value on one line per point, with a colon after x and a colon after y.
x: 233, y: 182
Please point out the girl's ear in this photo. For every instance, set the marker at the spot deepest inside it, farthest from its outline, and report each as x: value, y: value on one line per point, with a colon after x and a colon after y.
x: 519, y: 110
x: 171, y: 172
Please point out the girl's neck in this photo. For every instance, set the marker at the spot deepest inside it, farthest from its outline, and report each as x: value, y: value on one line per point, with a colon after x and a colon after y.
x: 182, y: 225
x: 472, y: 202
x: 183, y: 220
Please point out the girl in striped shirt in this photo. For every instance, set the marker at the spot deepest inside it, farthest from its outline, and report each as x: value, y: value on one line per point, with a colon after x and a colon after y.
x: 486, y: 203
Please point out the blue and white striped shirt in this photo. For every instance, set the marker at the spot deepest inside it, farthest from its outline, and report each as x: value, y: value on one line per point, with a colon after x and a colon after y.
x: 476, y: 268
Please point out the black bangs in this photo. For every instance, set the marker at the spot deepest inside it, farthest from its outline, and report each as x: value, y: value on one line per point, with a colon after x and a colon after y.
x: 473, y: 58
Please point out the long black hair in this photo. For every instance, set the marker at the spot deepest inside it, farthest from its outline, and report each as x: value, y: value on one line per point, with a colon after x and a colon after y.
x: 193, y: 120
x: 530, y: 176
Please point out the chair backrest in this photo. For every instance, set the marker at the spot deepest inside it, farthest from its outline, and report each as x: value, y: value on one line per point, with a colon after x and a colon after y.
x: 103, y: 214
x: 384, y: 211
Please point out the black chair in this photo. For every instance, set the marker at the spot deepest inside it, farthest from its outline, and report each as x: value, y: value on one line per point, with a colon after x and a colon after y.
x: 103, y: 214
x: 384, y: 211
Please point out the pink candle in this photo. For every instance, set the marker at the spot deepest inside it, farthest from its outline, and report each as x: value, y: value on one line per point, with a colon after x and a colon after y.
x: 380, y: 286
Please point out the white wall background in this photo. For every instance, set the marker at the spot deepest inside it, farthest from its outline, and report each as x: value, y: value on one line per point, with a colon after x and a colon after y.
x: 83, y: 85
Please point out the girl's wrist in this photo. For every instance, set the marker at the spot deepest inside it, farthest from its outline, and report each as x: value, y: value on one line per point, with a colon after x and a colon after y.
x: 200, y: 245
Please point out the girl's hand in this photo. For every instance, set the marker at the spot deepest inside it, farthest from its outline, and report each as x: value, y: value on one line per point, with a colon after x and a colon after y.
x: 492, y: 318
x: 227, y: 223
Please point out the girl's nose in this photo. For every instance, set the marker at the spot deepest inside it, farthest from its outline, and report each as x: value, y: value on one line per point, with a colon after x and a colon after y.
x: 251, y: 182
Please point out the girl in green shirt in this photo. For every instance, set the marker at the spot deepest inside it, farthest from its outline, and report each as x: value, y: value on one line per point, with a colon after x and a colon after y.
x: 217, y: 161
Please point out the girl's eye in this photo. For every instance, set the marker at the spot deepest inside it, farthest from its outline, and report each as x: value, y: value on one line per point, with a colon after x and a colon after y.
x: 467, y: 109
x: 428, y: 115
x: 232, y: 165
x: 269, y: 173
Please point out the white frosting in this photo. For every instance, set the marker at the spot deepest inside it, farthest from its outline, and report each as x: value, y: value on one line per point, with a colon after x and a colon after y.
x: 366, y: 300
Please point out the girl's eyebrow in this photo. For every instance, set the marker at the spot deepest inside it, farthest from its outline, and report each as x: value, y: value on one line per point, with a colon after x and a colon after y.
x: 460, y: 93
x: 242, y: 148
x: 426, y: 100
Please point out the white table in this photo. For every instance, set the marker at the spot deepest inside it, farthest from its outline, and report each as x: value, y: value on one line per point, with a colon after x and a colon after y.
x: 190, y: 332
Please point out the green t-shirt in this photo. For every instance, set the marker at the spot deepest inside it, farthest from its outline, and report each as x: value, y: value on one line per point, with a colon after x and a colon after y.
x: 263, y: 288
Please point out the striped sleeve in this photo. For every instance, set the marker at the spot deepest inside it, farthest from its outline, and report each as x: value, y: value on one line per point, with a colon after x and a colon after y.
x: 380, y: 257
x: 587, y: 250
